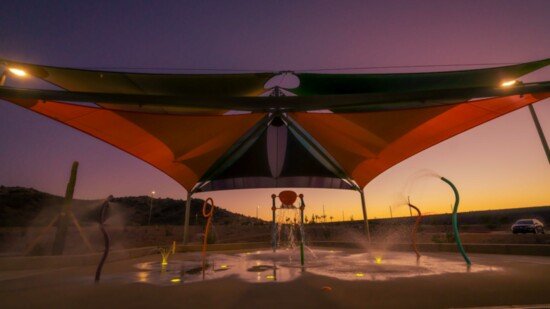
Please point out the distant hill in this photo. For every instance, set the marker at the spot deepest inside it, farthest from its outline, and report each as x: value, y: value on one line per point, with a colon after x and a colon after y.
x: 23, y: 206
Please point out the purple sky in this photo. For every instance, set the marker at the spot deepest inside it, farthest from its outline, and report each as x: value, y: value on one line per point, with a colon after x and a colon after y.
x: 499, y: 164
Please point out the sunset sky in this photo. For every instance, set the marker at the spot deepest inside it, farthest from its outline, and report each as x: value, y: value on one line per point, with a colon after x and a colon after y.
x: 500, y: 164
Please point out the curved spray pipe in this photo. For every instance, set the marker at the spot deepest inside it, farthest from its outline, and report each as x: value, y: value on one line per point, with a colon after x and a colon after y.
x: 102, y: 217
x: 209, y: 216
x: 413, y: 236
x: 455, y: 220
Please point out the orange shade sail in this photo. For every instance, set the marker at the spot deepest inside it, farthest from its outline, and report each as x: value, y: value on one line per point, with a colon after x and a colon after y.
x: 367, y: 144
x: 179, y: 123
x: 182, y: 146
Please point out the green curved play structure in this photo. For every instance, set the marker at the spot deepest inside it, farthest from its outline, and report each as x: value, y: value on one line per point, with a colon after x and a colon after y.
x: 455, y: 223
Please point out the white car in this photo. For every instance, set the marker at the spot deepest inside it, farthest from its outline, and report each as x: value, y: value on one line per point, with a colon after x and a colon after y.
x: 528, y: 226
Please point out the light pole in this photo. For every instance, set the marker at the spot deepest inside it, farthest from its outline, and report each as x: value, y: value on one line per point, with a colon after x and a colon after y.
x: 257, y: 209
x: 151, y: 206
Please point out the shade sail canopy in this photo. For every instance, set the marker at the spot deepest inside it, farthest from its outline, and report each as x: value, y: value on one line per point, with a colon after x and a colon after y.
x: 178, y: 122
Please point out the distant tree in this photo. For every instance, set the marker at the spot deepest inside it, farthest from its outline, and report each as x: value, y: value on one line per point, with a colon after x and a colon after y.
x: 330, y: 218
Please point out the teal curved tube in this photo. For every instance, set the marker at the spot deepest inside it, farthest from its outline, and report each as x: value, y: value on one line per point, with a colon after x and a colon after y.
x: 455, y: 219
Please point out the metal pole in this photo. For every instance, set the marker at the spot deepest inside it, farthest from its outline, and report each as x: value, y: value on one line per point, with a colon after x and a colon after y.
x: 541, y: 133
x: 151, y: 207
x: 302, y: 232
x: 365, y: 218
x: 455, y: 220
x: 187, y: 214
x: 102, y: 217
x: 391, y: 214
x: 274, y: 225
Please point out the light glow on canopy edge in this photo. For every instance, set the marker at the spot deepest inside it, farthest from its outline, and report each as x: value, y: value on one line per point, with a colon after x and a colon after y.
x: 18, y: 72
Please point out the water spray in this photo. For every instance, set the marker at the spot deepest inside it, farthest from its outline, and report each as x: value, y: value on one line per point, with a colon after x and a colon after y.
x: 209, y: 216
x: 413, y: 236
x: 102, y: 217
x: 455, y: 221
x: 165, y: 253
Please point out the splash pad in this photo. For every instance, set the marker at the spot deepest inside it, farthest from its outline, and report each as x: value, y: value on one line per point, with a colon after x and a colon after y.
x: 285, y: 265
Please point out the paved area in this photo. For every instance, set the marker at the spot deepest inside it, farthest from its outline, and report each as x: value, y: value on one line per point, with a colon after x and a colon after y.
x: 517, y: 281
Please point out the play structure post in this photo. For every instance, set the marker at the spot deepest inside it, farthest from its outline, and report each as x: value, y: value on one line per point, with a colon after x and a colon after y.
x: 274, y: 225
x: 540, y: 132
x: 302, y: 232
x: 62, y: 225
x: 365, y: 218
x: 187, y: 214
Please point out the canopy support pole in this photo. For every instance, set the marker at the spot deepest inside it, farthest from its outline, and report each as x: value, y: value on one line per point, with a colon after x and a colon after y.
x: 187, y: 214
x: 365, y: 218
x: 539, y: 130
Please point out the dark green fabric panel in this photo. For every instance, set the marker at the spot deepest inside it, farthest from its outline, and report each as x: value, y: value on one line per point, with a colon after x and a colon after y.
x: 240, y: 148
x: 253, y: 163
x: 342, y: 103
x: 300, y: 162
x: 326, y: 84
x: 142, y: 83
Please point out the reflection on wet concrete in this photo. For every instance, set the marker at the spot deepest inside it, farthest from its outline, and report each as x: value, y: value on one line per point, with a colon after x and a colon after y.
x: 266, y: 266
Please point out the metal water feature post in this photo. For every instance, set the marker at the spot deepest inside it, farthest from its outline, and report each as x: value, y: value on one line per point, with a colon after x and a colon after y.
x: 302, y: 232
x: 207, y: 215
x: 102, y: 218
x: 455, y: 221
x: 413, y: 236
x: 274, y: 225
x: 187, y: 214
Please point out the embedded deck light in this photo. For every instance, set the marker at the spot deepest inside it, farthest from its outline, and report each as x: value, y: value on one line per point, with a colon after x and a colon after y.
x: 18, y: 72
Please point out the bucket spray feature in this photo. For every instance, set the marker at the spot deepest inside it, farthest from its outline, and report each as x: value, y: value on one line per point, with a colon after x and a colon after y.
x: 455, y: 220
x: 288, y: 198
